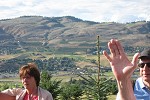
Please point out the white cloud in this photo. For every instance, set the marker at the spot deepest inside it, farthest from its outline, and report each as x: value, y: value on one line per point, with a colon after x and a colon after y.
x: 93, y: 10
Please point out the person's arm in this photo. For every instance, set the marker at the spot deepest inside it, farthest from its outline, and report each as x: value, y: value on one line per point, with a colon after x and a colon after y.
x: 4, y: 96
x: 122, y: 69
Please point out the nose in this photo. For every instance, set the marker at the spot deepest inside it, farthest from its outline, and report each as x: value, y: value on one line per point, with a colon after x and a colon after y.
x: 24, y: 79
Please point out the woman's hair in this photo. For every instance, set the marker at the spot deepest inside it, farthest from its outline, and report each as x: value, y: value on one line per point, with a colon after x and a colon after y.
x: 32, y: 70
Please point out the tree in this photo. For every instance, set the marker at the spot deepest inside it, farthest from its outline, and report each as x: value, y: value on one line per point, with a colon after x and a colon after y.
x: 53, y: 86
x: 4, y: 86
x: 97, y: 88
x: 71, y: 92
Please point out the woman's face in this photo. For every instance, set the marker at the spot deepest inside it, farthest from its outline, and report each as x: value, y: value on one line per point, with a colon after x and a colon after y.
x: 28, y: 81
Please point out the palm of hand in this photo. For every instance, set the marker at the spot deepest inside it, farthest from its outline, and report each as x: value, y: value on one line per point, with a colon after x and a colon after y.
x: 121, y: 67
x: 120, y: 64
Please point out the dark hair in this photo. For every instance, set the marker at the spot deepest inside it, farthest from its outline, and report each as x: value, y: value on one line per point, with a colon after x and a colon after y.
x: 32, y: 70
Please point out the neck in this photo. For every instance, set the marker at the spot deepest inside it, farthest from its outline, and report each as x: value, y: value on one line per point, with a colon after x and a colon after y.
x: 32, y: 91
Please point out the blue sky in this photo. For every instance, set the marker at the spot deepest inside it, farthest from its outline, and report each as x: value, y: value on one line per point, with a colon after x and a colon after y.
x: 93, y: 10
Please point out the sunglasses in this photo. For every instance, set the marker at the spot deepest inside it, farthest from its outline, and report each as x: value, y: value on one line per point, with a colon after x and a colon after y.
x: 141, y: 65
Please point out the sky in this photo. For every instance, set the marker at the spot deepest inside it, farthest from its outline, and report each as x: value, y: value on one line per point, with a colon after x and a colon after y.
x: 121, y: 11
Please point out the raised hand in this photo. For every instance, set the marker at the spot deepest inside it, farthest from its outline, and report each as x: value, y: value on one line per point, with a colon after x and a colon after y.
x: 120, y: 64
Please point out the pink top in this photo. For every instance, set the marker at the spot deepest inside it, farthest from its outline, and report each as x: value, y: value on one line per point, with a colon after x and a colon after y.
x: 26, y: 97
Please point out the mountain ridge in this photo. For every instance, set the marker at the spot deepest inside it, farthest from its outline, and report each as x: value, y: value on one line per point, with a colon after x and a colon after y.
x: 68, y: 32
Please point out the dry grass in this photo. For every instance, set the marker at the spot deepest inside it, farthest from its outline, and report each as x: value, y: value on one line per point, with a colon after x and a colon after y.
x: 112, y: 97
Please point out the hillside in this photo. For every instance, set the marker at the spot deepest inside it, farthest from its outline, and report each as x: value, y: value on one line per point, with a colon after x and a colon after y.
x: 67, y: 34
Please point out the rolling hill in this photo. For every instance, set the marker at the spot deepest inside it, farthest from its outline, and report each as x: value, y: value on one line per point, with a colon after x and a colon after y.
x: 67, y: 34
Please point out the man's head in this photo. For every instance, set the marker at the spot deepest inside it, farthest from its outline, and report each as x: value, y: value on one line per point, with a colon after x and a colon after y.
x: 144, y: 64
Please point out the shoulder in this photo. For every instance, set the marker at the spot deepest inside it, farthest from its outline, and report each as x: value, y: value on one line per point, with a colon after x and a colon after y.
x: 45, y: 93
x: 13, y: 92
x: 139, y: 84
x: 139, y: 81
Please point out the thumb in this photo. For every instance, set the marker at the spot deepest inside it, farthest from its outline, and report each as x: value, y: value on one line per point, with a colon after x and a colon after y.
x: 135, y: 59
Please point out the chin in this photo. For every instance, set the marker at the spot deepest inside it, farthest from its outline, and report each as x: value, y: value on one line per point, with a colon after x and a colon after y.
x: 147, y: 79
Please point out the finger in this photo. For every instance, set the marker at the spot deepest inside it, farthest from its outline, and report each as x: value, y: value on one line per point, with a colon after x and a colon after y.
x: 107, y: 56
x: 120, y: 48
x: 135, y: 59
x: 111, y: 48
x: 116, y: 49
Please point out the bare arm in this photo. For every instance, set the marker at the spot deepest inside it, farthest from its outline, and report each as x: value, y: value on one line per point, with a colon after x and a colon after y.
x: 4, y: 96
x: 122, y: 69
